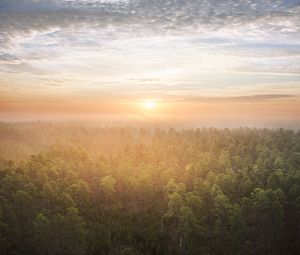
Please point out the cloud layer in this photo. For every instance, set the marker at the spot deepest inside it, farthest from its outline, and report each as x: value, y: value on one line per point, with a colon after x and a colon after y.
x: 174, y: 50
x: 250, y: 18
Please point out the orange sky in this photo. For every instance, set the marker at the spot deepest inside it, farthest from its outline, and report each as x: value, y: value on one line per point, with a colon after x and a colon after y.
x: 199, y: 67
x: 208, y: 111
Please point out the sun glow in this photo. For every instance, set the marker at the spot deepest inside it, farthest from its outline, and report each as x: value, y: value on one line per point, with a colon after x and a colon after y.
x: 149, y: 105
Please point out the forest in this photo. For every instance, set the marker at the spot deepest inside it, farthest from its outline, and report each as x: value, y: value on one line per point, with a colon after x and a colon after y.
x: 72, y: 189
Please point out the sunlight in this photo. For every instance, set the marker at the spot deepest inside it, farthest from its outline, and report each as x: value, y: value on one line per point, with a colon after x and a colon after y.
x: 149, y: 104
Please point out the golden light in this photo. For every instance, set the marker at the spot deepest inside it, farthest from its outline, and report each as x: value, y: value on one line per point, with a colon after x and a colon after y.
x: 149, y: 105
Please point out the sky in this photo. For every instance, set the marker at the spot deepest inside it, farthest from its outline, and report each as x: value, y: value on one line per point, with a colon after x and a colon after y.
x: 203, y: 62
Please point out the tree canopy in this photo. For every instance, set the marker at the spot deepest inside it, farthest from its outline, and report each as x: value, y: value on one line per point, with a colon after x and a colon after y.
x: 72, y: 189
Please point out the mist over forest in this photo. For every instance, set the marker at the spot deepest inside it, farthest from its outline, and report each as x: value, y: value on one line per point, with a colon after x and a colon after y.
x: 150, y: 127
x: 74, y: 189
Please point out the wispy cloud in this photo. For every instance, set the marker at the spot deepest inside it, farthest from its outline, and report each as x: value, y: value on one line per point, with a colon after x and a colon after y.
x: 249, y: 98
x: 201, y: 50
x: 270, y: 19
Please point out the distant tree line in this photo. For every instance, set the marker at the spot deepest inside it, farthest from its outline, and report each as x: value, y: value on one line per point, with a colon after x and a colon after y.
x: 93, y: 191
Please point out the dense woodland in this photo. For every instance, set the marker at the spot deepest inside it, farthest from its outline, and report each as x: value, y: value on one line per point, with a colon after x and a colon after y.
x: 69, y: 189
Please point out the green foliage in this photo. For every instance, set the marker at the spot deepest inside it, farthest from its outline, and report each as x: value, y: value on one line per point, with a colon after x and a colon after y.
x: 107, y: 185
x: 70, y: 189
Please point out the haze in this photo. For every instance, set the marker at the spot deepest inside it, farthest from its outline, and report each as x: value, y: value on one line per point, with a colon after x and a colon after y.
x: 223, y: 63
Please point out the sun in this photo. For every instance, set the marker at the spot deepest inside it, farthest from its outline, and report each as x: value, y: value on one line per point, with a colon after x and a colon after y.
x: 149, y: 104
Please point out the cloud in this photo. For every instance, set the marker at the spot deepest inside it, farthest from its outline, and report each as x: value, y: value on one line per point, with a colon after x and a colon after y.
x: 248, y: 98
x: 150, y: 47
x: 24, y: 68
x: 8, y: 59
x: 239, y: 18
x: 91, y: 24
